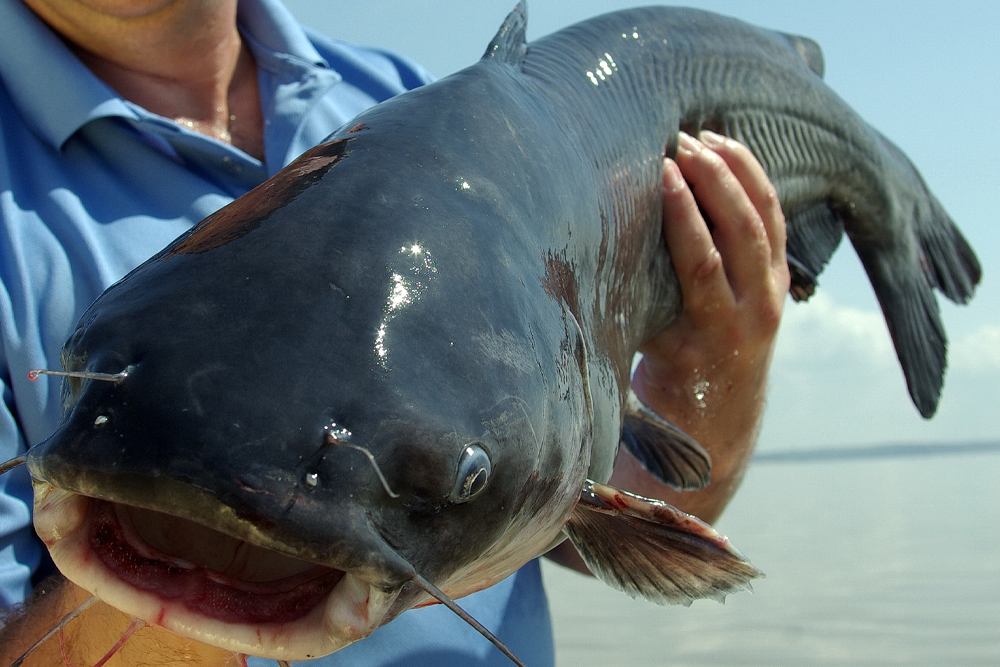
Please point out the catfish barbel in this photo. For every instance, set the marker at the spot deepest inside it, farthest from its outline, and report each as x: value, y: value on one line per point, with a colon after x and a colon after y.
x: 404, y: 360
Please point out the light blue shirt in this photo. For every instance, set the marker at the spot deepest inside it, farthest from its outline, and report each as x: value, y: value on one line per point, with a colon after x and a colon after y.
x: 91, y: 185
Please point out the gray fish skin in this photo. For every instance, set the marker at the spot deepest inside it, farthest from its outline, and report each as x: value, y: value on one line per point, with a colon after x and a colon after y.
x: 474, y: 262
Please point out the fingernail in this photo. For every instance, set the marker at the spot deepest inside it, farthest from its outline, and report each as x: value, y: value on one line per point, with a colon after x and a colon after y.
x: 711, y: 139
x: 687, y: 144
x: 672, y: 179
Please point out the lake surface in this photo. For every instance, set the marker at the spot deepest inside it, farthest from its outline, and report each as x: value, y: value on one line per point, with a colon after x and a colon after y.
x: 877, y: 556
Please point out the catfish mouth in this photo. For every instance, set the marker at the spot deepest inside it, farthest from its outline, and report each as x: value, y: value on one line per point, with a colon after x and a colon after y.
x: 208, y: 572
x: 206, y: 585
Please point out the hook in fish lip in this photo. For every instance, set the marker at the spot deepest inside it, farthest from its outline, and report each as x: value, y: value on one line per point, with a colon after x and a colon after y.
x: 117, y: 378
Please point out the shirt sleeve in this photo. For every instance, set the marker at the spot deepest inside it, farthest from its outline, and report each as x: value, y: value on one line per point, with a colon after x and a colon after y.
x: 20, y: 550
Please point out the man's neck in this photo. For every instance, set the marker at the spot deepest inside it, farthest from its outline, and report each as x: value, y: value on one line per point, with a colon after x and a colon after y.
x: 183, y: 59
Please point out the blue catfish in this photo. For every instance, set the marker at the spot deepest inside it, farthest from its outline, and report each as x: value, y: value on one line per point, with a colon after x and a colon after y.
x: 401, y: 366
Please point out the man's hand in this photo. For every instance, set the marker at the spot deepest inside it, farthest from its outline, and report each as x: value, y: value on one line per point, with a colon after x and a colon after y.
x: 707, y: 373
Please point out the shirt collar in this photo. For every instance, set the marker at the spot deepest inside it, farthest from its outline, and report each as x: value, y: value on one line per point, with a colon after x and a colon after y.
x: 273, y: 27
x: 56, y: 94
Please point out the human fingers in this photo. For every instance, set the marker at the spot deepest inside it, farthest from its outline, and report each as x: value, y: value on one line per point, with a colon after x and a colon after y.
x: 755, y: 182
x: 697, y: 262
x: 738, y: 229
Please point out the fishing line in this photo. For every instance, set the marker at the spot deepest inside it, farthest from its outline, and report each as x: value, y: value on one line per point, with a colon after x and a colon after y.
x: 440, y: 596
x: 56, y: 628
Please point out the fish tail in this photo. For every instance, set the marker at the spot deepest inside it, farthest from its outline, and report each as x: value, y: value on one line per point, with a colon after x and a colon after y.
x: 914, y: 249
x: 842, y: 178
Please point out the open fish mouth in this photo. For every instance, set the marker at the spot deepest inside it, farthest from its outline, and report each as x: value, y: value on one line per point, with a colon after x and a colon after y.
x: 203, y: 584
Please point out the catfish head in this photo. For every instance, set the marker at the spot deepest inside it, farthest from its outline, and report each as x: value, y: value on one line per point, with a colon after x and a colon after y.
x: 328, y: 388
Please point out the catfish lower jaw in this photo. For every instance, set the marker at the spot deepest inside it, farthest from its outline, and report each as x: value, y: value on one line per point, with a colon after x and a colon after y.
x: 278, y: 607
x: 115, y: 540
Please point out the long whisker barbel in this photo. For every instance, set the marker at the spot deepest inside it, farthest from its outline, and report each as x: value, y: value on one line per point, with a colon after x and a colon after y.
x: 333, y: 440
x: 441, y: 597
x: 7, y: 466
x: 86, y: 604
x: 83, y: 375
x: 136, y: 624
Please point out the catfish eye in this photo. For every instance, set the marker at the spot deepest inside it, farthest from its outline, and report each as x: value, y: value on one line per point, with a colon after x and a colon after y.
x: 473, y: 474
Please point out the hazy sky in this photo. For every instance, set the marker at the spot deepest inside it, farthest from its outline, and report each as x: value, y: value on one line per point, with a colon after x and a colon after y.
x: 927, y: 74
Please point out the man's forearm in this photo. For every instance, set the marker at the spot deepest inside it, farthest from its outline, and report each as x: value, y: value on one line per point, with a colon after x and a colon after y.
x: 21, y: 627
x: 726, y: 428
x: 87, y: 638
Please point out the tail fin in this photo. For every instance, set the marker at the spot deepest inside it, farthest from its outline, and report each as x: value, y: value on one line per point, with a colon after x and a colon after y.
x: 914, y: 250
x: 908, y: 244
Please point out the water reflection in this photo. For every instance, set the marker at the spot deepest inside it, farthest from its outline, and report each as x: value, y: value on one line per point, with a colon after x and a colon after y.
x: 874, y: 560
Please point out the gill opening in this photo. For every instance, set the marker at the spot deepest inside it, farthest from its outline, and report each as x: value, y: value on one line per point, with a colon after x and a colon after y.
x: 441, y: 597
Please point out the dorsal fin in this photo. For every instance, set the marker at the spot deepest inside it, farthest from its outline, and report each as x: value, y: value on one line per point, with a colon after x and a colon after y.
x: 510, y: 45
x: 809, y: 50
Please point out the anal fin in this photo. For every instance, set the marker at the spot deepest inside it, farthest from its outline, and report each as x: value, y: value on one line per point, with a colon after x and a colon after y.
x: 665, y: 451
x: 813, y: 235
x: 647, y: 548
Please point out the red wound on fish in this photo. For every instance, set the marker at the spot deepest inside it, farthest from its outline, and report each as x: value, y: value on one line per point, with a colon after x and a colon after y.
x: 247, y: 213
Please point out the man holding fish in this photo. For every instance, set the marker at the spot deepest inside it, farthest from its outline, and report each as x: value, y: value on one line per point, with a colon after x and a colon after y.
x: 123, y: 124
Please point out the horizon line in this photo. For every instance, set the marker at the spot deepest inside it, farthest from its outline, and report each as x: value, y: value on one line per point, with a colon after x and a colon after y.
x: 886, y: 450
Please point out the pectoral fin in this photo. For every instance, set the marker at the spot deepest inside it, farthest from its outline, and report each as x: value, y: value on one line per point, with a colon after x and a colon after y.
x: 648, y: 548
x: 668, y: 453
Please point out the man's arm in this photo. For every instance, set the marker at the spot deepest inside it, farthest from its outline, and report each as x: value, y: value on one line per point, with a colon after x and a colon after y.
x: 707, y: 372
x: 89, y: 637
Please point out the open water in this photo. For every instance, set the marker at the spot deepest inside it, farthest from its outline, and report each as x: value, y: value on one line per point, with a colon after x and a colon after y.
x: 874, y: 556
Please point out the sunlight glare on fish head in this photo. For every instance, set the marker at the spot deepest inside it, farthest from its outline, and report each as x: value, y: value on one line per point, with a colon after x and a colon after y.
x: 411, y: 272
